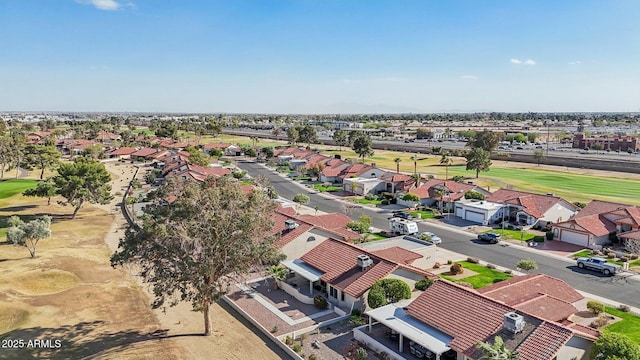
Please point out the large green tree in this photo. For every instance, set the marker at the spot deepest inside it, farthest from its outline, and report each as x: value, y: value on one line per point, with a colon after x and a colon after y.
x: 613, y: 346
x: 478, y: 159
x: 486, y: 140
x: 307, y: 134
x: 197, y: 247
x: 46, y: 188
x: 30, y: 233
x: 340, y: 137
x: 41, y: 157
x: 197, y: 157
x: 362, y: 145
x: 387, y: 291
x: 293, y: 136
x: 84, y: 180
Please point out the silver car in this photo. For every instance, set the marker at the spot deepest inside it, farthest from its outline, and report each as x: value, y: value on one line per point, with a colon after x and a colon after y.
x: 431, y: 237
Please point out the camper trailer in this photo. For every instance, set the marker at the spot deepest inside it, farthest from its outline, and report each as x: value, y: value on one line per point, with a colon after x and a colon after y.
x: 402, y: 226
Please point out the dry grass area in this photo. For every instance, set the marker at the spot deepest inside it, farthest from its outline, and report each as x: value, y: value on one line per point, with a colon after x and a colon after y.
x: 69, y: 292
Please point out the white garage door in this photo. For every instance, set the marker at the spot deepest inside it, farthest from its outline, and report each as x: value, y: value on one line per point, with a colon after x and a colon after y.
x: 474, y: 216
x: 574, y: 238
x: 459, y: 212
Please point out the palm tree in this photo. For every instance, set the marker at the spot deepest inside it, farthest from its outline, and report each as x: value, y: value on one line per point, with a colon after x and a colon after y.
x: 277, y: 272
x: 497, y: 351
x: 446, y: 160
x: 397, y: 161
x: 439, y: 193
x: 415, y: 163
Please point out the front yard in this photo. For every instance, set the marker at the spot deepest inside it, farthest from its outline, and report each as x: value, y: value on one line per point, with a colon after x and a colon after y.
x: 508, y: 234
x: 629, y: 325
x: 589, y: 253
x: 424, y: 214
x: 327, y: 188
x: 483, y: 275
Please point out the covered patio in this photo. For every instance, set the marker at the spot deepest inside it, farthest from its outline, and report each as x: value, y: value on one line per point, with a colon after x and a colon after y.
x: 409, y: 337
x: 306, y: 278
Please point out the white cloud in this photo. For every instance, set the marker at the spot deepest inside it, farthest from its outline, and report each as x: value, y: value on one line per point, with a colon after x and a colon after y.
x: 468, y: 77
x: 577, y: 62
x: 522, y: 62
x: 109, y: 5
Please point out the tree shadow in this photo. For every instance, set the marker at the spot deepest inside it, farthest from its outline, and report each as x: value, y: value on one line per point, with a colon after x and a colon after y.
x: 84, y: 339
x: 18, y: 208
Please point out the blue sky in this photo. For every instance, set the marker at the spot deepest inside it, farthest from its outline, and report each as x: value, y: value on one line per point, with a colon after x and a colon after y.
x: 329, y: 56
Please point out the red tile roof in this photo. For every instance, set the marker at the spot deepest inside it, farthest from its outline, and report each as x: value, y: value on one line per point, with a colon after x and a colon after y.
x: 545, y: 342
x: 459, y: 312
x: 519, y: 288
x: 535, y: 205
x: 599, y: 207
x: 470, y: 317
x: 398, y: 254
x: 220, y: 146
x: 104, y: 135
x: 633, y: 235
x: 122, y: 151
x: 338, y: 261
x: 144, y: 152
x: 327, y: 221
x: 595, y: 224
x: 428, y: 189
x: 286, y: 235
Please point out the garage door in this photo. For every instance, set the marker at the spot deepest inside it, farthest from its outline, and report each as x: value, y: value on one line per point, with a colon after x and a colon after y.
x: 474, y: 216
x: 574, y: 238
x: 459, y: 212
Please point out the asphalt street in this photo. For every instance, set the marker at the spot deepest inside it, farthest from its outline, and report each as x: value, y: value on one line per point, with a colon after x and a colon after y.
x: 621, y: 288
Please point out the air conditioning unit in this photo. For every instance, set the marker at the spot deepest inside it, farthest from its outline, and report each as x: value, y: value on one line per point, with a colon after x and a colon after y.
x: 364, y: 261
x: 290, y: 224
x: 513, y: 322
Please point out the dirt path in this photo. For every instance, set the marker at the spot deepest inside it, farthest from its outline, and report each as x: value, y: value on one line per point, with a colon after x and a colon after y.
x: 231, y: 338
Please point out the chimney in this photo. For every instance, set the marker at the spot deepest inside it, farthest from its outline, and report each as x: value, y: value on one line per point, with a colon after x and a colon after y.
x: 364, y: 261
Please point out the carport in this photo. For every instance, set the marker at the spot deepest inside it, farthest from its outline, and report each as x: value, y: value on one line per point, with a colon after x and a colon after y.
x: 406, y: 326
x: 304, y: 270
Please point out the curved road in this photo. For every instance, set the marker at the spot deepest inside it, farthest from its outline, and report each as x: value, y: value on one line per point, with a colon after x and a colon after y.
x: 621, y: 288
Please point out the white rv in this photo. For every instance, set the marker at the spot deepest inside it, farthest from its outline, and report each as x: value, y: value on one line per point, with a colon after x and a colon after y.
x: 402, y: 226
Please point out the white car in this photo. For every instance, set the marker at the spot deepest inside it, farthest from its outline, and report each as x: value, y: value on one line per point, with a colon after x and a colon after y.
x: 431, y: 237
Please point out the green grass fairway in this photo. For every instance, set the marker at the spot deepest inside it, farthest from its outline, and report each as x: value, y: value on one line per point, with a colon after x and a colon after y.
x: 629, y: 325
x: 9, y: 188
x: 570, y: 186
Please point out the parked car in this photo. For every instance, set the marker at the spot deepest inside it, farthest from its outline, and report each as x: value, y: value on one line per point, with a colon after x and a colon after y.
x: 490, y: 237
x: 598, y: 264
x: 402, y: 215
x: 431, y: 237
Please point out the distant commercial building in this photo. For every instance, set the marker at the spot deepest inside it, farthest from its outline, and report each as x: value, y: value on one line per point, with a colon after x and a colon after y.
x: 615, y: 142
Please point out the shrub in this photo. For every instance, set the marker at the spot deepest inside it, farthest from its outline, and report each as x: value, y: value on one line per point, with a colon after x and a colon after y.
x: 473, y: 260
x: 458, y: 178
x: 624, y: 258
x: 449, y: 262
x: 508, y: 271
x: 384, y: 202
x: 288, y: 340
x: 624, y: 308
x: 491, y: 266
x: 539, y: 238
x: 361, y: 354
x: 313, y: 357
x: 456, y: 269
x: 388, y: 291
x: 370, y: 197
x: 527, y: 265
x: 437, y: 265
x: 423, y: 284
x: 274, y: 329
x: 549, y: 235
x: 474, y: 195
x: 596, y: 307
x: 320, y: 302
x: 633, y: 256
x: 410, y: 197
x: 599, y: 322
x: 297, y: 348
x: 611, y: 255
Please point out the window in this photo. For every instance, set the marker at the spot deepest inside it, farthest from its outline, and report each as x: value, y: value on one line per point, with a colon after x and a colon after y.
x: 311, y: 238
x: 342, y: 296
x: 333, y: 292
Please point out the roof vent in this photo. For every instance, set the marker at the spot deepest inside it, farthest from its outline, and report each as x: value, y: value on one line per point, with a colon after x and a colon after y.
x: 290, y: 224
x: 364, y: 261
x: 513, y: 322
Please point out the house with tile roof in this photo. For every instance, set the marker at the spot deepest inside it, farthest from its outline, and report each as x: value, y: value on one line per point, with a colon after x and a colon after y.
x: 599, y: 223
x: 429, y: 192
x: 397, y: 182
x: 542, y: 295
x: 145, y: 152
x: 363, y: 186
x: 120, y: 153
x: 107, y: 138
x: 447, y: 321
x: 344, y: 272
x: 517, y: 207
